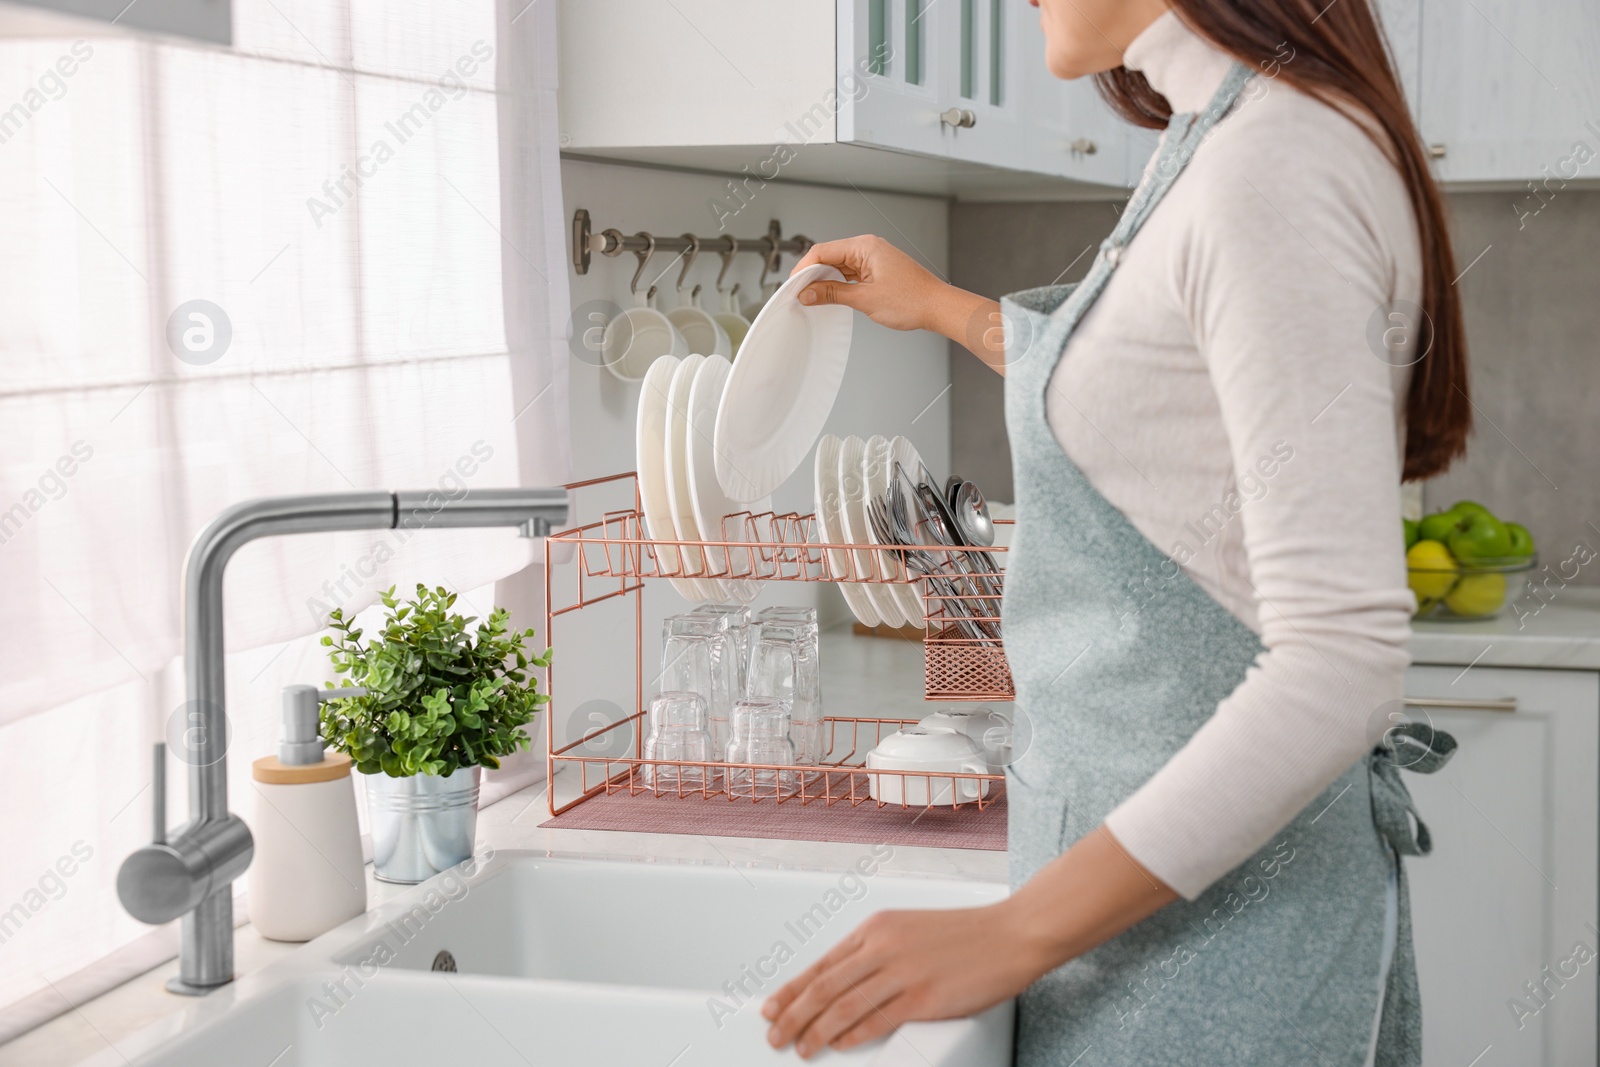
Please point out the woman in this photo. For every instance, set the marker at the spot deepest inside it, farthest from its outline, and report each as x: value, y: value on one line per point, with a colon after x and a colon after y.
x: 1206, y: 608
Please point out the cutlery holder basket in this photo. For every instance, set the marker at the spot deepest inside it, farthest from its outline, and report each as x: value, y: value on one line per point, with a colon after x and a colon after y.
x: 614, y: 557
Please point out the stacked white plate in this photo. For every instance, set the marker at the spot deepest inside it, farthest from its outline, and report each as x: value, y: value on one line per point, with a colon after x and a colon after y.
x: 675, y: 451
x: 850, y: 474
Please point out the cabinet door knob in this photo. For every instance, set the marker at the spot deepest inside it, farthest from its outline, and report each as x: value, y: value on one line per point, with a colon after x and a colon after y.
x: 1437, y: 151
x: 1083, y: 147
x: 959, y: 117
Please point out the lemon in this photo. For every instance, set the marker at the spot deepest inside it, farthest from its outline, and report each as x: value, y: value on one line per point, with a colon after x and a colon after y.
x: 1477, y: 594
x: 1432, y: 570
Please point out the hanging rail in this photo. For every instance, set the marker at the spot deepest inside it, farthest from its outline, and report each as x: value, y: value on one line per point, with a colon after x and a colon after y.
x: 612, y: 242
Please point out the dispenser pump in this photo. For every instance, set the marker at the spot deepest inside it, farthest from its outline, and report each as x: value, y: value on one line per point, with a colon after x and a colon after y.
x: 302, y: 722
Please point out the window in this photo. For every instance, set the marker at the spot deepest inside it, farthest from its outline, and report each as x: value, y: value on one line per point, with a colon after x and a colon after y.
x: 328, y: 258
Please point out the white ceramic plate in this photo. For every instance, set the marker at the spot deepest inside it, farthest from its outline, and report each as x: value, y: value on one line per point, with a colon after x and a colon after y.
x: 904, y: 453
x: 650, y: 456
x: 710, y: 504
x: 853, y: 493
x: 879, y: 465
x: 783, y: 386
x: 679, y: 495
x: 829, y: 504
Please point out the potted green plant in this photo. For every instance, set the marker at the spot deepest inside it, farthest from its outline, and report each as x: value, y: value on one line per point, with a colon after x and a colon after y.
x: 442, y: 700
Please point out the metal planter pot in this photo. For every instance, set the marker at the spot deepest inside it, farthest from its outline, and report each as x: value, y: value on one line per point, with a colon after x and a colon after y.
x: 421, y: 825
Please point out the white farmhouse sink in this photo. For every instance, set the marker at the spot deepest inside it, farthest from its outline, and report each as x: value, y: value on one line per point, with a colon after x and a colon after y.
x: 563, y: 960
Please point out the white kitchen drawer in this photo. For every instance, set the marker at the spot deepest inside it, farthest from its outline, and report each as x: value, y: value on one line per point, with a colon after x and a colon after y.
x: 1511, y: 885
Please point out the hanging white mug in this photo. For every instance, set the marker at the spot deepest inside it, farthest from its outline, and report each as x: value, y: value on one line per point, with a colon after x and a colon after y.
x: 733, y: 324
x: 638, y: 337
x: 727, y: 314
x: 700, y: 330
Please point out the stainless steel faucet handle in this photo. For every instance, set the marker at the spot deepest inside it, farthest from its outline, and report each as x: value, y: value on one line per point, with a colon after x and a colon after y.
x: 168, y: 878
x: 163, y: 881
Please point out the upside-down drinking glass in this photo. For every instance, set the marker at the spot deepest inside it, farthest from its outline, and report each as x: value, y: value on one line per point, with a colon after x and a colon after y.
x: 734, y: 620
x: 760, y: 735
x: 783, y: 666
x: 677, y: 732
x: 698, y: 655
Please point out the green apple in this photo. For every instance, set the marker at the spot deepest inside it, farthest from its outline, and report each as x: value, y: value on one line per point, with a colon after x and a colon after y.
x: 1412, y: 536
x: 1462, y: 507
x: 1479, y: 535
x: 1438, y: 526
x: 1521, y: 539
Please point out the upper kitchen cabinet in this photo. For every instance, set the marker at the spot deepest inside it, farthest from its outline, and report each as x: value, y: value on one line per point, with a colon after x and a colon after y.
x: 941, y: 96
x: 1508, y: 88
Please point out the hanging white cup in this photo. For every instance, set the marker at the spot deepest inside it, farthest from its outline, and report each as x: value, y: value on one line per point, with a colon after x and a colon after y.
x: 637, y: 338
x: 733, y: 324
x: 701, y: 330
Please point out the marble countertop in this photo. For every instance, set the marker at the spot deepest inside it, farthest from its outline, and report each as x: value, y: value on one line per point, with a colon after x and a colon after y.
x: 1561, y: 632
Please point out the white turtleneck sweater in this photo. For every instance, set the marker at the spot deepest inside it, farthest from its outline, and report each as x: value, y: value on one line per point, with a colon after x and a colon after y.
x: 1224, y: 393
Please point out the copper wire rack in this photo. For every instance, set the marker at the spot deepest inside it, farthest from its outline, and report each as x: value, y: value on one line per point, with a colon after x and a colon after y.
x: 964, y: 660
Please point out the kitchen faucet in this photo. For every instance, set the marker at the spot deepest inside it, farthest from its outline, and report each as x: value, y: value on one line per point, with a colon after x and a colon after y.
x: 188, y: 874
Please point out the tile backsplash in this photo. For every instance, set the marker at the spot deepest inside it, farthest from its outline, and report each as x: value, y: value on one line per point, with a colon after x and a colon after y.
x: 1532, y: 306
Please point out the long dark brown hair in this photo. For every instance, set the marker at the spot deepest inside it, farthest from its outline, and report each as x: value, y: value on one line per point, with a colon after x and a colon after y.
x: 1339, y: 56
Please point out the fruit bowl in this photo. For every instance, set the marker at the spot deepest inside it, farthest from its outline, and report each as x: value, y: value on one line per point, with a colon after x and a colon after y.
x: 1471, y: 591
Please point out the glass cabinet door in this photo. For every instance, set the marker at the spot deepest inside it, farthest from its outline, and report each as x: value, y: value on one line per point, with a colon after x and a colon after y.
x: 1022, y: 116
x: 889, y: 68
x: 966, y: 80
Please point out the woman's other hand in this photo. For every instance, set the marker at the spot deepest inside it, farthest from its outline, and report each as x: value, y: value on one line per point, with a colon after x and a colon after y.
x: 894, y: 290
x: 900, y: 966
x: 903, y: 965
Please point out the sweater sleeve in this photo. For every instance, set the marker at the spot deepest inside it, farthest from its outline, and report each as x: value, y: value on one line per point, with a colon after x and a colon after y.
x: 1297, y: 249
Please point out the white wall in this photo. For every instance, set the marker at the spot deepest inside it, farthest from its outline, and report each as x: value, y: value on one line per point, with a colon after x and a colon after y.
x: 896, y: 384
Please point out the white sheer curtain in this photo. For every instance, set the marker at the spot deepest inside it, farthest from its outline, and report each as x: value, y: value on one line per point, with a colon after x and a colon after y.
x: 362, y: 197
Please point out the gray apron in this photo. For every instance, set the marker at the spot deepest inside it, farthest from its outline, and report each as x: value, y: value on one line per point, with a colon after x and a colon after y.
x: 1302, y: 954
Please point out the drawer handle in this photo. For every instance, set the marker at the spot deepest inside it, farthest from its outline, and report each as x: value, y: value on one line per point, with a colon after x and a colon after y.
x: 1507, y: 704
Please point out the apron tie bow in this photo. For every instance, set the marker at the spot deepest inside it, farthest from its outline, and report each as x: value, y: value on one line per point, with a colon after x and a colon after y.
x: 1412, y: 746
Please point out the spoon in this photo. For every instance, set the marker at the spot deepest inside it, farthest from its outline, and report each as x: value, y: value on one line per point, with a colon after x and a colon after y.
x: 972, y: 515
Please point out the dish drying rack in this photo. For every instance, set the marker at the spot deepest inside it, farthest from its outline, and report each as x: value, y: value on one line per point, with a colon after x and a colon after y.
x: 614, y: 557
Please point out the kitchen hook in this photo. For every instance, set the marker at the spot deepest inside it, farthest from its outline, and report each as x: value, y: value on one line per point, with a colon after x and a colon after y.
x: 690, y: 254
x: 727, y: 260
x: 644, y: 255
x: 769, y: 263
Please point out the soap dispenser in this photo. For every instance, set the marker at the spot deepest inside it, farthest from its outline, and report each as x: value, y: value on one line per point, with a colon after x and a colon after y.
x: 308, y: 875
